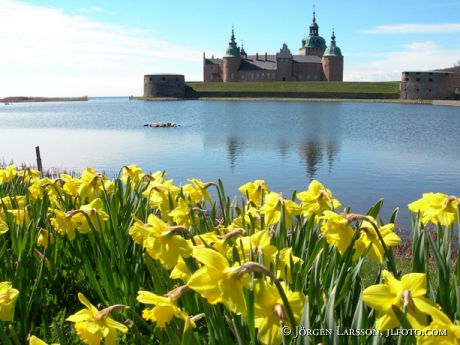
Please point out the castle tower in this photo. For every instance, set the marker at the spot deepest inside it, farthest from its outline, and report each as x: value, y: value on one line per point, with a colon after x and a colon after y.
x: 231, y: 61
x: 333, y: 61
x: 313, y: 44
x: 284, y: 62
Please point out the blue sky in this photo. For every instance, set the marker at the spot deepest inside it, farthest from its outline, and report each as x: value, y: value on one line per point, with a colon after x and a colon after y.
x: 104, y: 47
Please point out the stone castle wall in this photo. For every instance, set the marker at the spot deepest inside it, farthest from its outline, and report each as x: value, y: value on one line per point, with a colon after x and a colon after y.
x: 429, y: 85
x: 164, y: 85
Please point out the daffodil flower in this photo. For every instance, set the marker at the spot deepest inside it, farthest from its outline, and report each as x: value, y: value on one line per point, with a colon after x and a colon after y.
x: 369, y: 239
x: 254, y: 191
x: 258, y: 242
x: 45, y: 238
x: 160, y: 193
x: 8, y: 174
x: 317, y: 199
x: 133, y: 173
x: 37, y: 341
x: 164, y: 309
x: 336, y: 230
x: 441, y: 322
x: 269, y: 310
x: 8, y: 297
x: 93, y: 326
x: 160, y: 241
x: 197, y: 190
x: 272, y: 207
x: 407, y: 293
x: 218, y: 282
x: 285, y: 257
x: 436, y: 208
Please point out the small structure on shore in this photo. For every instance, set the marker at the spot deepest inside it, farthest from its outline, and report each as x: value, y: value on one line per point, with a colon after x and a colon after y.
x: 164, y: 86
x: 162, y: 125
x: 442, y: 84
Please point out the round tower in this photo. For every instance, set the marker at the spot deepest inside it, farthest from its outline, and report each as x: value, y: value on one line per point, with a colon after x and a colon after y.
x: 333, y: 61
x: 231, y: 61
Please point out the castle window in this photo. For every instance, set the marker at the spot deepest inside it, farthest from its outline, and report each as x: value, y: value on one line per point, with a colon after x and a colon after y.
x: 429, y: 90
x: 418, y: 73
x: 431, y: 73
x: 430, y: 80
x: 164, y: 79
x: 177, y: 79
x: 406, y: 79
x: 284, y: 78
x: 418, y: 79
x: 418, y: 90
x: 150, y: 79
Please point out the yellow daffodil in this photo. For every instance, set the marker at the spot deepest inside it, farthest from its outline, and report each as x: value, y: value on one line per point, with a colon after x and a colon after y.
x: 269, y: 310
x: 337, y: 231
x: 8, y: 174
x: 254, y: 191
x: 133, y: 173
x: 409, y: 292
x: 369, y: 239
x: 37, y: 189
x: 181, y: 214
x: 436, y: 208
x: 317, y: 199
x: 212, y: 240
x: 197, y: 191
x: 272, y: 207
x: 160, y: 241
x: 8, y: 297
x: 37, y: 341
x: 160, y: 194
x: 96, y: 214
x: 259, y: 242
x: 29, y: 175
x: 217, y: 281
x: 285, y: 257
x: 441, y: 322
x: 92, y: 184
x: 12, y: 202
x: 181, y: 271
x: 21, y: 217
x: 93, y: 326
x: 71, y: 184
x: 247, y: 220
x: 63, y: 225
x: 164, y: 309
x: 45, y: 238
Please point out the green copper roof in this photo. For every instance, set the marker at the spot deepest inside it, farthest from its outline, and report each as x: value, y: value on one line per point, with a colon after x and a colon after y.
x: 314, y: 40
x: 232, y: 49
x: 333, y: 50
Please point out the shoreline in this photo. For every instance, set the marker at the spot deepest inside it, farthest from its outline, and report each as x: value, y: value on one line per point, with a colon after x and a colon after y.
x: 23, y: 99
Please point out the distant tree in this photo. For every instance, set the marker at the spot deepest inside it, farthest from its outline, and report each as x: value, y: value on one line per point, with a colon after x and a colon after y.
x: 457, y: 64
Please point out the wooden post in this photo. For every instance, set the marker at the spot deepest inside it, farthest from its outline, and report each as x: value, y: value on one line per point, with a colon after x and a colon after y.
x: 39, y: 160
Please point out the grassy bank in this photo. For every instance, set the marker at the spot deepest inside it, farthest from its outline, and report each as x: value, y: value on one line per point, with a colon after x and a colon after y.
x: 21, y: 99
x: 321, y: 87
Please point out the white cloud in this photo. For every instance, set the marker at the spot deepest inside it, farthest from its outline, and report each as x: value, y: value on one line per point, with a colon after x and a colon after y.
x: 414, y: 56
x: 414, y: 29
x: 49, y: 52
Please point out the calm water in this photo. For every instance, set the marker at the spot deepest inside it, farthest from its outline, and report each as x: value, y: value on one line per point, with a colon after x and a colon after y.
x: 362, y: 151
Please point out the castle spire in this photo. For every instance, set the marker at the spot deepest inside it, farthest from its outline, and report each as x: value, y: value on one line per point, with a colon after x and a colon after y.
x: 232, y: 49
x: 314, y: 28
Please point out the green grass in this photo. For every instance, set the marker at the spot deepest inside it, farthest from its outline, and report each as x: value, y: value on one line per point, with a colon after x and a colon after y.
x: 325, y: 87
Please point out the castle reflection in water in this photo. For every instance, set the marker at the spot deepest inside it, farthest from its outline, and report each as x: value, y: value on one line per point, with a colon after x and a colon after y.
x: 313, y: 153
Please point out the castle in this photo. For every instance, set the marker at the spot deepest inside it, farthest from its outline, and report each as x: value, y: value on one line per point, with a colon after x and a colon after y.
x: 315, y: 62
